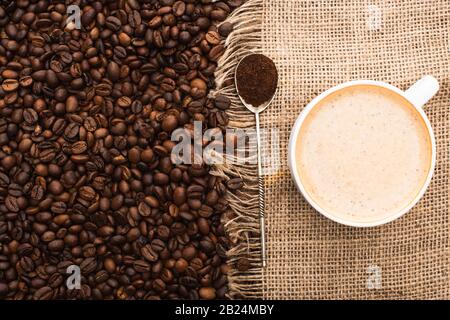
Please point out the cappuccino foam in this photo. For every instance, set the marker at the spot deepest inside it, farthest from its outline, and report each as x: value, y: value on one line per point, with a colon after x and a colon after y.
x: 363, y: 153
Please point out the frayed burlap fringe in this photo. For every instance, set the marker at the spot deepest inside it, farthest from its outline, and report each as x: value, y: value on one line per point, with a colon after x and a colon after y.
x: 243, y: 224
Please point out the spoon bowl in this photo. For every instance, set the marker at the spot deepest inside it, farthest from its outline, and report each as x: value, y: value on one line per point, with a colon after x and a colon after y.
x: 250, y: 107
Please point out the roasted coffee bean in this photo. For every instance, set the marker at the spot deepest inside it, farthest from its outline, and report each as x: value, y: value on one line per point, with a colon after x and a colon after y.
x: 149, y: 254
x: 30, y: 116
x: 158, y: 245
x: 71, y: 131
x: 11, y: 204
x: 207, y: 293
x: 113, y: 71
x: 234, y: 183
x: 222, y: 102
x: 56, y: 245
x: 87, y: 193
x: 58, y: 207
x: 55, y: 280
x: 9, y: 85
x: 88, y: 265
x: 44, y: 293
x: 141, y: 266
x: 179, y: 195
x: 213, y: 37
x: 37, y: 192
x: 79, y: 147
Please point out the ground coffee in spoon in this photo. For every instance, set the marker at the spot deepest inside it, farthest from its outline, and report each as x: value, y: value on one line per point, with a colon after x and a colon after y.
x: 256, y: 79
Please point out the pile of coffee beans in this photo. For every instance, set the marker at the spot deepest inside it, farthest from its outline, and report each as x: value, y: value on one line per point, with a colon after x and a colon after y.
x: 86, y: 178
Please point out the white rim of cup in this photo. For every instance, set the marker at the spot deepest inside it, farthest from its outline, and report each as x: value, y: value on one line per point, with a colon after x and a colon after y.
x: 293, y: 143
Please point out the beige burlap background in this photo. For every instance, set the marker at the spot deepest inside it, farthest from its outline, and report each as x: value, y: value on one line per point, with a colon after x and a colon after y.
x: 316, y: 45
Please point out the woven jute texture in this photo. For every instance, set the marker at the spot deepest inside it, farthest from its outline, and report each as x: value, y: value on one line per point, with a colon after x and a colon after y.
x: 316, y: 45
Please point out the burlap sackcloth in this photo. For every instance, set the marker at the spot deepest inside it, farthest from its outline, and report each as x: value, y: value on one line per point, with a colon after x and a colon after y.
x: 316, y: 45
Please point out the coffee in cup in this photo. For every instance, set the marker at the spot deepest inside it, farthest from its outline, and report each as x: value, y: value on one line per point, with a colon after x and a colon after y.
x: 363, y: 154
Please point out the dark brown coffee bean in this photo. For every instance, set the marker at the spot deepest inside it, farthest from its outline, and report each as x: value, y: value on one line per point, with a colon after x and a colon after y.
x: 235, y: 183
x: 189, y: 282
x: 203, y: 226
x: 179, y: 196
x: 141, y: 266
x: 157, y: 245
x: 222, y: 102
x: 44, y: 293
x: 207, y: 293
x: 179, y: 8
x: 11, y: 204
x: 124, y: 102
x: 161, y: 179
x: 79, y: 147
x: 90, y: 124
x: 88, y: 265
x: 113, y: 71
x: 58, y: 207
x: 225, y: 29
x: 218, y: 14
x: 213, y: 37
x: 169, y: 123
x: 71, y: 130
x: 37, y: 192
x: 113, y: 23
x: 216, y: 52
x: 55, y: 280
x: 149, y: 254
x: 144, y: 209
x: 9, y: 85
x: 30, y: 116
x: 87, y: 193
x: 189, y: 253
x: 56, y: 245
x: 71, y: 104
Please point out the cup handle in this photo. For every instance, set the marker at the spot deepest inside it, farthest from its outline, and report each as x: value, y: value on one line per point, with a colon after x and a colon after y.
x: 422, y: 91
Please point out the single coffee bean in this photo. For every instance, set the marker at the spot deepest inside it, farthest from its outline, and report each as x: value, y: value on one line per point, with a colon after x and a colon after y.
x: 222, y: 102
x: 11, y: 204
x: 113, y: 71
x: 79, y: 147
x: 234, y: 183
x: 213, y: 37
x: 71, y: 131
x: 30, y: 116
x: 71, y: 104
x: 207, y: 293
x: 225, y: 29
x: 141, y: 266
x: 179, y: 196
x: 149, y: 254
x: 44, y: 293
x: 9, y: 85
x: 56, y: 245
x: 88, y: 265
x: 169, y: 123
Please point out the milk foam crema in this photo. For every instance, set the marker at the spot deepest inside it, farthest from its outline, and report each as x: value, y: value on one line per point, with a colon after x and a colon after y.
x: 363, y: 153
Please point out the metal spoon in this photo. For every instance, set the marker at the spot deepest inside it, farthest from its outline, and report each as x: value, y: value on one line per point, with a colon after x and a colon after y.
x: 257, y: 110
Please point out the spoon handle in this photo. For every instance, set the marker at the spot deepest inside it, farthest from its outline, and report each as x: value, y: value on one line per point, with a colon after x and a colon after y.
x: 261, y: 194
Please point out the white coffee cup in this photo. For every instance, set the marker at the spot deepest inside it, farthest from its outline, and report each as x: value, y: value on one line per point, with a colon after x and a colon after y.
x: 418, y: 94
